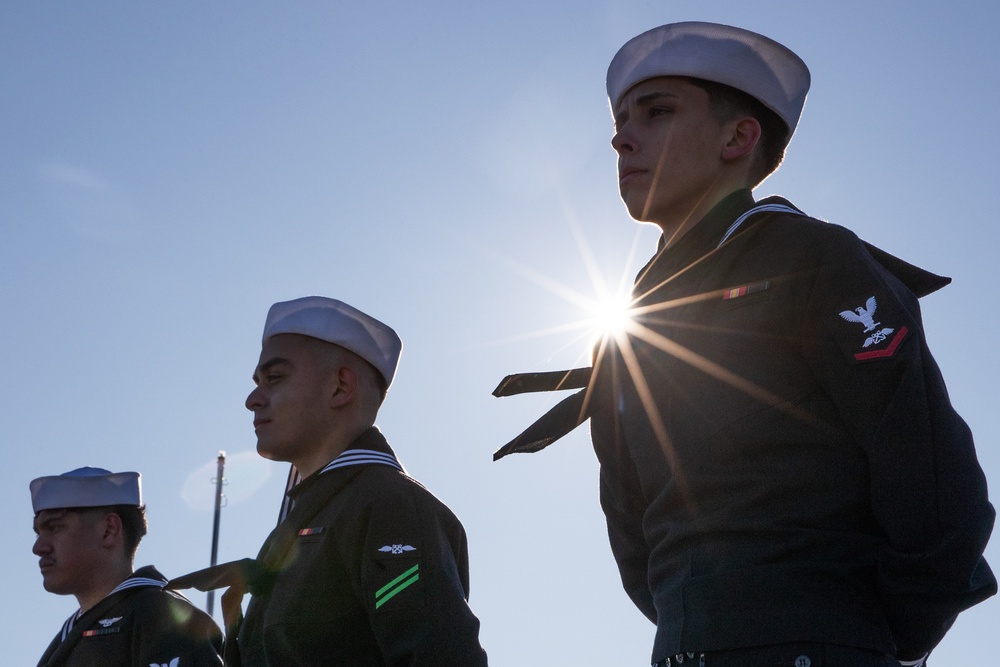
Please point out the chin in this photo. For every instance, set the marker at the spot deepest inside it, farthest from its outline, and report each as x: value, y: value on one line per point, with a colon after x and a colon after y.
x: 638, y: 216
x: 638, y: 209
x: 52, y: 586
x: 270, y: 453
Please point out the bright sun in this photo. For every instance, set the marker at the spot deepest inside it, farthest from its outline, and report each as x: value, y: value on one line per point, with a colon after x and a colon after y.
x: 611, y: 316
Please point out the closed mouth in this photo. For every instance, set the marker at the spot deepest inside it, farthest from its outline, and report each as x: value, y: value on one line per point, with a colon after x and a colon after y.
x: 626, y: 172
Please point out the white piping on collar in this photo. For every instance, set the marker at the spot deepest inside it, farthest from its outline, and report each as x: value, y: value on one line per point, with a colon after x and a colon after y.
x: 355, y: 457
x: 131, y: 582
x: 68, y: 624
x: 350, y: 457
x: 762, y: 208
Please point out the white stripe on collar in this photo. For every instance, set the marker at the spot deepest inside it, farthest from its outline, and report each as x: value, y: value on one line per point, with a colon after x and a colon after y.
x: 134, y: 582
x: 762, y: 208
x: 131, y: 582
x: 355, y: 457
x: 68, y: 624
x: 350, y: 457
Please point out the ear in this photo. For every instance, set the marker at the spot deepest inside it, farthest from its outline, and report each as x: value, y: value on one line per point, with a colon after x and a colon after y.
x: 743, y: 139
x: 111, y: 527
x: 345, y: 387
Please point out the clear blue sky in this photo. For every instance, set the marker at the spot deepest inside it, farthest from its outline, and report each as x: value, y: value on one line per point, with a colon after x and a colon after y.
x: 171, y: 169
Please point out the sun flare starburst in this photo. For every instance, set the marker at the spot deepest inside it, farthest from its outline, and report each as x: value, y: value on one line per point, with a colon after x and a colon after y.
x: 611, y: 317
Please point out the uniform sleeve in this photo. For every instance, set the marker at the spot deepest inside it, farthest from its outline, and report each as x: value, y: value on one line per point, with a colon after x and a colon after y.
x: 171, y: 631
x: 864, y: 340
x: 415, y: 579
x: 624, y: 507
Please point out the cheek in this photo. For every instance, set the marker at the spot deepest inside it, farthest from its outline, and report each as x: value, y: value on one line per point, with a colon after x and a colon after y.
x: 290, y: 408
x: 708, y: 140
x: 279, y: 398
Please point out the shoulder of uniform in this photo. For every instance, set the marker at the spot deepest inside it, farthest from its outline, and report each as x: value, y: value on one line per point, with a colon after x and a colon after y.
x: 801, y: 238
x: 397, y: 485
x: 155, y: 596
x: 394, y: 488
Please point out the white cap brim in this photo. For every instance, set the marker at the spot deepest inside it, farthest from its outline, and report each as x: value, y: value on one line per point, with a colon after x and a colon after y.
x: 86, y: 487
x: 745, y: 60
x: 341, y: 324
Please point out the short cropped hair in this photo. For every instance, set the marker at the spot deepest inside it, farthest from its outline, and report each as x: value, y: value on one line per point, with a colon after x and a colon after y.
x: 134, y: 526
x: 332, y: 354
x: 728, y: 102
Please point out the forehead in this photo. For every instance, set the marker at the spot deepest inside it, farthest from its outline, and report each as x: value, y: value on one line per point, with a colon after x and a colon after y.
x: 285, y: 346
x: 53, y: 516
x: 673, y: 86
x: 302, y: 352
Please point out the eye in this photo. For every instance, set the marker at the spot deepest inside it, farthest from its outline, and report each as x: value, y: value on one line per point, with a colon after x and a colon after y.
x: 660, y: 111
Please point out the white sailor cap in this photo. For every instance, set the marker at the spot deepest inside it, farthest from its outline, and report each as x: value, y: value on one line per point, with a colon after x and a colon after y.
x: 338, y: 323
x: 752, y: 63
x: 86, y: 487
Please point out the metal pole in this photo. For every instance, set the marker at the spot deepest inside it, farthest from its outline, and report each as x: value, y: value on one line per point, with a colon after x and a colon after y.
x: 219, y: 480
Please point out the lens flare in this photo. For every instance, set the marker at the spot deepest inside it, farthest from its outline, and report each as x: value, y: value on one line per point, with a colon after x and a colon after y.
x: 611, y: 317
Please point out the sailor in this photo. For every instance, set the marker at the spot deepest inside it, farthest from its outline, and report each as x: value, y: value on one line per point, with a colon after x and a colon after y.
x: 367, y: 567
x: 784, y: 479
x: 88, y: 523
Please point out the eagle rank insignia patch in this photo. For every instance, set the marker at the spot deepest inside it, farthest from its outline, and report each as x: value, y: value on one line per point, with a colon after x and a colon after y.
x: 876, y: 341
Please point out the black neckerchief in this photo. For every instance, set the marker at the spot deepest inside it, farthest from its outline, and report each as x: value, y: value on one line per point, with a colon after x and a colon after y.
x: 697, y: 245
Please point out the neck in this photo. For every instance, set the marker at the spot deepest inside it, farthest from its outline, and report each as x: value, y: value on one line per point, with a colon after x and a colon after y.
x: 675, y: 226
x: 100, y: 589
x: 333, y: 447
x: 673, y: 230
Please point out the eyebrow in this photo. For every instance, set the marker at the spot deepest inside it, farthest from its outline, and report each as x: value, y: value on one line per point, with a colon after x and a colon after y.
x: 652, y: 96
x: 641, y: 101
x: 263, y: 368
x: 46, y: 523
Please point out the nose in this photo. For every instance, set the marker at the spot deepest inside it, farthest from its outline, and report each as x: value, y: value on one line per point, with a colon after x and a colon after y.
x: 622, y: 142
x: 254, y: 400
x: 41, y: 547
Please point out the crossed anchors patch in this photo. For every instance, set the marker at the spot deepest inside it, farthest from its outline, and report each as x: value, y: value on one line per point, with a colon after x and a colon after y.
x: 865, y: 316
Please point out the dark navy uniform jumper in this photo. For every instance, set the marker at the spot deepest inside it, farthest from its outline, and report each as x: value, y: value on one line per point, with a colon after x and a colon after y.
x: 377, y: 573
x: 780, y: 462
x: 789, y: 468
x: 138, y: 623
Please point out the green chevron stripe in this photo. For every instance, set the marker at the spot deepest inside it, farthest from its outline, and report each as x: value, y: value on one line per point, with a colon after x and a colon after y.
x: 396, y: 586
x: 399, y: 589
